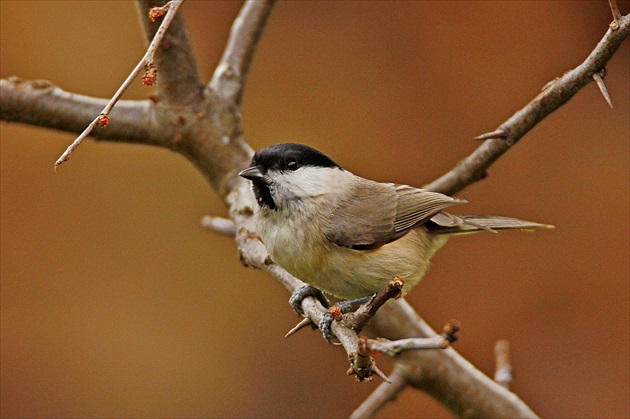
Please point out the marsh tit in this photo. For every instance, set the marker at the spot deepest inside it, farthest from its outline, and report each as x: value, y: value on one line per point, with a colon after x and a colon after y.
x: 346, y: 235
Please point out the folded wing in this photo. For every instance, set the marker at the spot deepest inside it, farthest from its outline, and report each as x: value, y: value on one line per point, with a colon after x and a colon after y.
x: 373, y: 214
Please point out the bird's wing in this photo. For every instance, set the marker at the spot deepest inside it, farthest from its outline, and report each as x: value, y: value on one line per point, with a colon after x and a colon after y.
x: 416, y: 206
x: 372, y: 214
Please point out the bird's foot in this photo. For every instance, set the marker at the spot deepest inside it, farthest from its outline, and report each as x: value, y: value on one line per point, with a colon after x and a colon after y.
x: 306, y: 291
x: 335, y: 312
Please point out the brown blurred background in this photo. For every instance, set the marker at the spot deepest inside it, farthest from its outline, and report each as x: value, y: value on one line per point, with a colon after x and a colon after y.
x: 116, y: 303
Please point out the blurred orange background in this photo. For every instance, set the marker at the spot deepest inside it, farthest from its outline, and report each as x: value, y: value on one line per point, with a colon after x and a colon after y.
x: 115, y: 302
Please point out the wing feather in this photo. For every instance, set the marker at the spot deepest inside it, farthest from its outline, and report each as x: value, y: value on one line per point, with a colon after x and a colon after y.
x: 449, y: 224
x: 415, y: 206
x: 372, y: 214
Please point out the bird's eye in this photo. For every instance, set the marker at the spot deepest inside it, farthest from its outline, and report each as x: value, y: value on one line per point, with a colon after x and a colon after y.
x: 292, y: 165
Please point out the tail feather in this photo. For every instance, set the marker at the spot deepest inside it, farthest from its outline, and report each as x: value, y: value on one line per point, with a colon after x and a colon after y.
x: 445, y: 223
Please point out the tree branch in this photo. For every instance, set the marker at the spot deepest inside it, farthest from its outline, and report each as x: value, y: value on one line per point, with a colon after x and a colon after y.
x: 394, y: 348
x: 445, y: 375
x: 43, y: 104
x: 384, y: 393
x: 360, y: 318
x: 229, y: 77
x: 554, y: 95
x: 178, y: 82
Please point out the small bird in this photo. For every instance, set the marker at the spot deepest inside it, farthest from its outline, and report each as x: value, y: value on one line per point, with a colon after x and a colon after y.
x: 346, y: 235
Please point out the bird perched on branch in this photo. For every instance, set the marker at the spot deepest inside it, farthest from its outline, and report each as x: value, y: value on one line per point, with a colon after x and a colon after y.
x: 347, y: 235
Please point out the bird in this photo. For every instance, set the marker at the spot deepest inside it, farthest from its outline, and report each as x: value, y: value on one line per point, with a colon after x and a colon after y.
x: 346, y: 235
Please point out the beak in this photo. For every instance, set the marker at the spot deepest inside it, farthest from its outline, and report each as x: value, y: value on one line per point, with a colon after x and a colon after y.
x: 251, y: 173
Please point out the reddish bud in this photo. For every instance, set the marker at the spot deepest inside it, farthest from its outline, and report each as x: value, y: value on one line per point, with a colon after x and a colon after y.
x: 156, y: 13
x: 336, y: 313
x: 150, y: 76
x: 103, y: 120
x: 451, y: 330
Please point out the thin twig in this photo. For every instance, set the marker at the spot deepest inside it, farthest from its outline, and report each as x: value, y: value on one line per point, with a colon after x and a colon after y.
x: 103, y: 117
x: 229, y: 77
x: 503, y: 369
x: 393, y: 348
x: 219, y: 225
x: 362, y: 316
x: 179, y: 83
x: 384, y: 393
x: 616, y: 14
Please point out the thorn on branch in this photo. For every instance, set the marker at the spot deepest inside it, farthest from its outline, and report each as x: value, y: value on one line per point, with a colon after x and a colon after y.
x: 503, y: 369
x: 380, y: 374
x: 549, y: 84
x: 499, y: 134
x: 599, y: 79
x: 305, y: 322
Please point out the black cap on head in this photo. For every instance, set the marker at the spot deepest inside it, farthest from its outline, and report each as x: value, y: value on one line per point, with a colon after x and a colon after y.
x: 290, y: 156
x: 285, y: 157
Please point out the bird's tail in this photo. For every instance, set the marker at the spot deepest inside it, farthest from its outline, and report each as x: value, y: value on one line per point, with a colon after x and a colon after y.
x: 445, y: 223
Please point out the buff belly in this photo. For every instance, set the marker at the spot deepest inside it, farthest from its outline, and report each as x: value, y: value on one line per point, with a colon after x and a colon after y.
x: 348, y: 273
